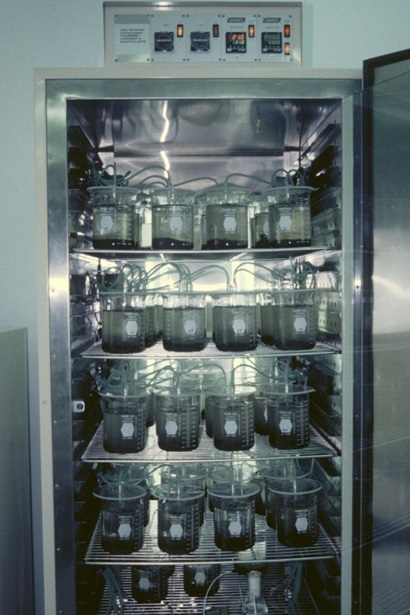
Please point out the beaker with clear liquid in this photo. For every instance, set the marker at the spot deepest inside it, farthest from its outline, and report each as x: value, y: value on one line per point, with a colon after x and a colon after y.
x: 226, y: 218
x: 293, y: 319
x: 289, y: 216
x: 122, y: 316
x: 184, y: 327
x: 172, y: 214
x: 115, y: 212
x: 235, y: 326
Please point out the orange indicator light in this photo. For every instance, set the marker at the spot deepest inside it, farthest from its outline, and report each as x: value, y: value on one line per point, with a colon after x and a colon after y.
x: 251, y: 31
x: 287, y: 49
x: 180, y: 30
x: 286, y: 30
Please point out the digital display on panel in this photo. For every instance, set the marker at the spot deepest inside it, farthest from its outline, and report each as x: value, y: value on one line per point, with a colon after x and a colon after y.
x: 235, y: 42
x: 271, y: 42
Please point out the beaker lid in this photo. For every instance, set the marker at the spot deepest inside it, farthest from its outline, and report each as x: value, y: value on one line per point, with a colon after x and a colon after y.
x: 120, y: 492
x: 233, y: 490
x: 299, y: 486
x: 175, y: 492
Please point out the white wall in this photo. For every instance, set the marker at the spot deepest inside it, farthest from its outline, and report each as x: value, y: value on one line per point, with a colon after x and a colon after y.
x: 61, y: 33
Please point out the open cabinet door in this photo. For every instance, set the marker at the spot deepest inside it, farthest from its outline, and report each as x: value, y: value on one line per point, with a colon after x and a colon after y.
x: 386, y: 306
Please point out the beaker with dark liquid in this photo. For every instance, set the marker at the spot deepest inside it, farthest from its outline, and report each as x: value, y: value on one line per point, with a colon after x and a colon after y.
x: 122, y: 517
x: 226, y: 218
x: 124, y: 424
x: 122, y: 316
x: 172, y: 220
x: 289, y: 216
x: 296, y: 512
x: 267, y: 327
x: 235, y: 327
x: 186, y: 474
x: 294, y: 320
x: 114, y: 216
x: 201, y: 579
x: 179, y: 518
x: 184, y: 328
x: 177, y: 418
x: 234, y: 515
x: 233, y: 419
x: 149, y: 583
x: 228, y: 473
x: 288, y: 416
x: 275, y: 471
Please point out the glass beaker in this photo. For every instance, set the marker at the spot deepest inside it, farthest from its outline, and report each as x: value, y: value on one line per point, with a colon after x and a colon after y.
x: 172, y: 220
x: 235, y: 326
x: 122, y: 316
x: 184, y: 328
x: 234, y: 515
x: 179, y: 518
x: 150, y: 321
x: 296, y: 511
x: 289, y: 216
x: 122, y: 517
x: 260, y: 226
x: 233, y: 419
x: 114, y: 217
x: 201, y: 579
x: 274, y: 471
x: 149, y: 583
x: 226, y: 218
x: 186, y: 474
x: 288, y: 416
x: 234, y: 471
x: 294, y: 320
x: 130, y: 474
x: 124, y: 424
x: 177, y: 418
x: 267, y: 313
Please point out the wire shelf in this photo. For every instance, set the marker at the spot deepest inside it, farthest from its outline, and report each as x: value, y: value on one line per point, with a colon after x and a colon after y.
x: 206, y: 452
x: 267, y: 548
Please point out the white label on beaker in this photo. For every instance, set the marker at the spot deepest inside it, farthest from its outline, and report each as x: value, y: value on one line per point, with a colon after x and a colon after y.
x: 235, y: 528
x: 239, y: 326
x: 190, y: 327
x: 200, y: 577
x: 176, y: 224
x: 176, y: 530
x: 131, y: 328
x: 300, y: 324
x: 302, y: 521
x: 124, y: 530
x: 144, y: 583
x: 231, y: 427
x: 127, y: 429
x: 106, y: 223
x: 285, y: 223
x: 171, y: 428
x: 285, y: 426
x: 230, y: 224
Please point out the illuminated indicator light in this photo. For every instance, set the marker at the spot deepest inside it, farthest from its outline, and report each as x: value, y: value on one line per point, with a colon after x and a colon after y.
x: 286, y: 30
x: 180, y: 30
x: 287, y: 49
x: 215, y: 30
x: 251, y: 31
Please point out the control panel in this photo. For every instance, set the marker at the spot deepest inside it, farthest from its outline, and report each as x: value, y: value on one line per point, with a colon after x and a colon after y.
x: 203, y: 33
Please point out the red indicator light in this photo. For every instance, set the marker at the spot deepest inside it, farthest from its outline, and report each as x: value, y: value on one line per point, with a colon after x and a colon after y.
x: 251, y: 31
x: 215, y: 30
x: 287, y: 49
x: 286, y: 30
x: 180, y: 30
